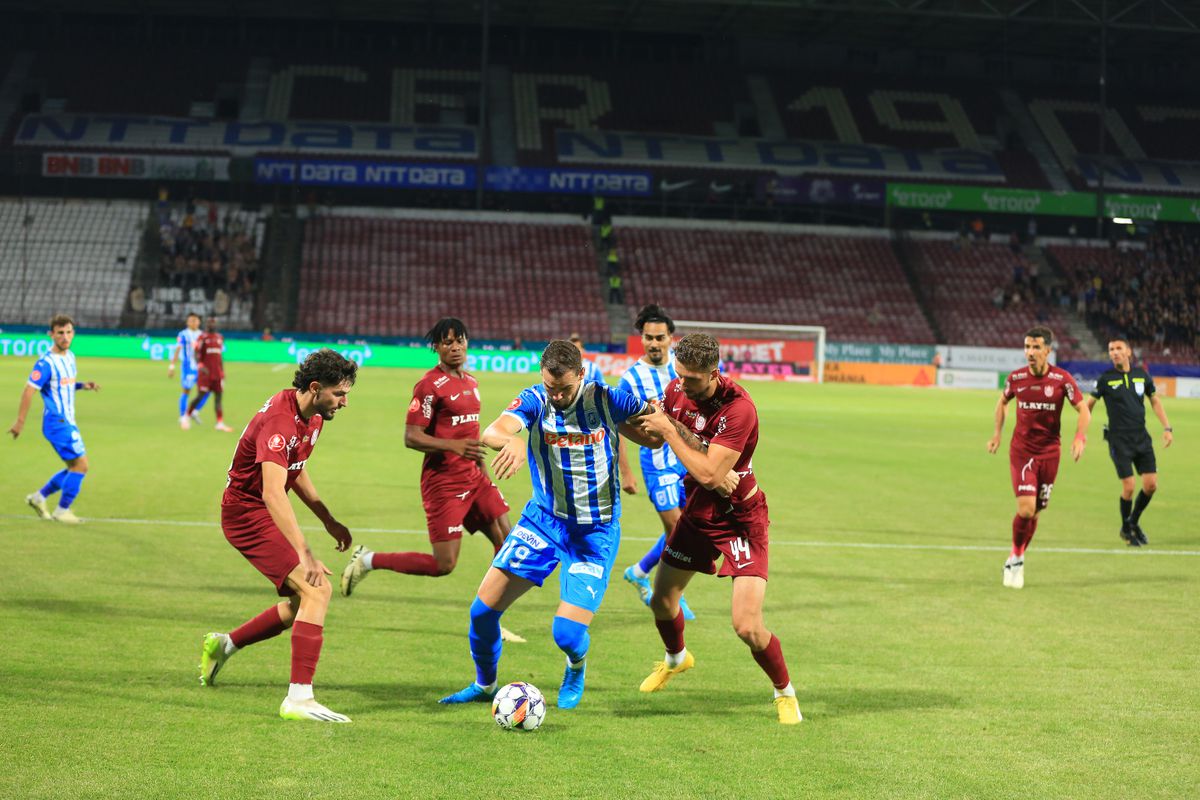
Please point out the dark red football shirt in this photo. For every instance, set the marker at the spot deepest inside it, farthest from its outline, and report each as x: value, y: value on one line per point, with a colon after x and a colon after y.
x: 209, y: 347
x: 1040, y: 402
x: 277, y: 433
x: 447, y: 407
x: 729, y: 419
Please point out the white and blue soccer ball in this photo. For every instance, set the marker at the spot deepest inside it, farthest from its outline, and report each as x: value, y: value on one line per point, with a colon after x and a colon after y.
x: 519, y: 707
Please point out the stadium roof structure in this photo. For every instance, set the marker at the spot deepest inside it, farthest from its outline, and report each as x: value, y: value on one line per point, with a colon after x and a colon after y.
x: 1059, y: 28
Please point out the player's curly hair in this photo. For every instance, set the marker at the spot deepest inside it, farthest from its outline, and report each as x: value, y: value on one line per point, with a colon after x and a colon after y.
x: 59, y: 320
x: 326, y: 368
x: 698, y: 351
x: 561, y: 357
x: 442, y: 328
x: 1041, y: 332
x: 653, y: 313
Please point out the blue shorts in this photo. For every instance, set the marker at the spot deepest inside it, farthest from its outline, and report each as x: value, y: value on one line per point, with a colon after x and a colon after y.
x: 665, y: 486
x: 539, y: 541
x: 188, y: 379
x: 64, y: 438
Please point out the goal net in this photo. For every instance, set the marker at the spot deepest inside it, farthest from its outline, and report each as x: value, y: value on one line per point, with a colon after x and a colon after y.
x: 751, y: 351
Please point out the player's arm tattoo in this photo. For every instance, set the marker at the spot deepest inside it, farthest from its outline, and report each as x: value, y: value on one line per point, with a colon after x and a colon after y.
x: 689, y: 438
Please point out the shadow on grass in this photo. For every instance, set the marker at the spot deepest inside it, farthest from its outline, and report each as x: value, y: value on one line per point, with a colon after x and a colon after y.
x: 814, y: 705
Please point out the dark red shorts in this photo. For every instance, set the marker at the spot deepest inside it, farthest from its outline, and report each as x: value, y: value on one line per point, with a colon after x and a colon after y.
x: 469, y: 506
x: 211, y: 381
x: 254, y: 534
x: 1033, y: 476
x: 740, y: 537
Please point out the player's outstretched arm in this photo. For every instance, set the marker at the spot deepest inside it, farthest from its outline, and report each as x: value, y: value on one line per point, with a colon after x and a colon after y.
x: 307, y: 493
x: 502, y: 435
x: 628, y: 481
x: 22, y: 411
x: 174, y: 355
x: 1081, y: 429
x: 1161, y: 413
x: 275, y: 496
x: 415, y: 438
x: 1001, y: 411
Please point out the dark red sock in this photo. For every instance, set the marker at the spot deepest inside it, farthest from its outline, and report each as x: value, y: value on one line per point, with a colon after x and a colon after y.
x: 671, y: 631
x: 408, y: 563
x: 306, y: 649
x: 772, y: 663
x: 1020, y: 534
x: 1030, y: 529
x: 264, y: 626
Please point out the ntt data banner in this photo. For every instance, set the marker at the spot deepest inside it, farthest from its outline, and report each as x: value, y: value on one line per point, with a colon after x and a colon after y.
x: 148, y: 133
x: 570, y: 181
x: 363, y: 173
x: 784, y: 155
x: 157, y: 348
x: 978, y: 199
x: 135, y: 167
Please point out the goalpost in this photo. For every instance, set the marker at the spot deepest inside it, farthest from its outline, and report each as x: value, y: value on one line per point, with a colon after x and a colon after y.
x: 757, y: 351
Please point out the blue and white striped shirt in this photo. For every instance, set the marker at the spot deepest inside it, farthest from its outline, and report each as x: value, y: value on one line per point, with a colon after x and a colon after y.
x: 187, y: 344
x: 648, y: 383
x: 55, y: 377
x: 591, y: 372
x: 572, y: 453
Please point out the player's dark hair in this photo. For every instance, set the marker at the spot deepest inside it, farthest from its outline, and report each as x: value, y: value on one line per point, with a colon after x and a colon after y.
x: 1038, y: 332
x: 59, y: 320
x: 1121, y: 339
x: 575, y: 338
x: 442, y: 328
x: 653, y: 313
x: 326, y: 368
x: 561, y: 357
x: 193, y: 314
x: 698, y: 351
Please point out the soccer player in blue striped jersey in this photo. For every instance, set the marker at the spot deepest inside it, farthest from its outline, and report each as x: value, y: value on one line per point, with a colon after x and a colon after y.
x: 573, y: 517
x: 661, y: 470
x: 54, y: 376
x: 185, y: 351
x: 591, y: 372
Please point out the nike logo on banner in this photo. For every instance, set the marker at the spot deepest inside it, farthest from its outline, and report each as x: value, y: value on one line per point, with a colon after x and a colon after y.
x: 671, y: 187
x: 455, y: 396
x: 739, y: 566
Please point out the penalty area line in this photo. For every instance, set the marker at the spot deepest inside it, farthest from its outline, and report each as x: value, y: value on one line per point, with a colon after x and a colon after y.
x: 965, y: 548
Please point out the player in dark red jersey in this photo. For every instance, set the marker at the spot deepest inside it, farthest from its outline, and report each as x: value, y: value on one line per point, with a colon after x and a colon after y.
x: 458, y: 494
x: 1041, y: 390
x: 258, y: 520
x: 210, y: 346
x: 711, y: 425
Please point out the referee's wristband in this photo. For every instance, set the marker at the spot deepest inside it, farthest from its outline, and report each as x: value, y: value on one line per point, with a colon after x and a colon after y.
x: 1168, y: 430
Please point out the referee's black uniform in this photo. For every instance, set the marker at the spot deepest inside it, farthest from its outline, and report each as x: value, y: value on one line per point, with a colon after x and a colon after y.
x: 1129, y: 443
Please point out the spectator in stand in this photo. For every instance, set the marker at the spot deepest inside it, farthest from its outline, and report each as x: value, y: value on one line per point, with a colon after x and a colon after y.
x: 978, y: 229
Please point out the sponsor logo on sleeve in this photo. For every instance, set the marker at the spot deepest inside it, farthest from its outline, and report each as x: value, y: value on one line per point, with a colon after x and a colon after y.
x: 276, y: 443
x: 36, y: 375
x: 720, y: 426
x: 414, y: 405
x: 515, y: 404
x: 584, y: 568
x: 314, y: 437
x: 427, y: 407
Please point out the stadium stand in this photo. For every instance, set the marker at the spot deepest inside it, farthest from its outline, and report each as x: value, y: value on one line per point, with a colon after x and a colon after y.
x: 980, y: 293
x: 75, y: 258
x: 853, y: 285
x: 396, y: 276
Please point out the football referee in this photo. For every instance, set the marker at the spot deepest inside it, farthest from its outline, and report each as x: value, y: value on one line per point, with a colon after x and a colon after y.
x: 1125, y: 389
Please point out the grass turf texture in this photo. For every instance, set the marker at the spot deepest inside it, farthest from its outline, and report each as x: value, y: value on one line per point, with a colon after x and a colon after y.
x: 919, y: 674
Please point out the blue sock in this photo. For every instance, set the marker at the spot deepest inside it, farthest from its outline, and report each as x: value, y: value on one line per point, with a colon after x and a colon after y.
x: 203, y: 400
x: 54, y: 484
x: 70, y: 488
x: 650, y: 560
x: 183, y: 403
x: 572, y: 638
x: 485, y: 641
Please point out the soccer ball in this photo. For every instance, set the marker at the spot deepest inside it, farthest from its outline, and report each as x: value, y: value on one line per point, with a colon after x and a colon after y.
x: 519, y: 707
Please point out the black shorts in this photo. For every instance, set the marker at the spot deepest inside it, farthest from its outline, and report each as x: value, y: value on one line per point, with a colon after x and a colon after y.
x: 1130, y: 451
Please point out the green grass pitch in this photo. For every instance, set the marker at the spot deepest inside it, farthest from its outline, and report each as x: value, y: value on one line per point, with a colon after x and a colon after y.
x: 919, y: 674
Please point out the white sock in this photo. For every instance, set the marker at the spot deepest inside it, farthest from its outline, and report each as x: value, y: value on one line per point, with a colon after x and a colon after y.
x: 367, y: 561
x: 638, y: 572
x: 674, y: 660
x: 39, y: 497
x: 576, y: 664
x: 490, y: 688
x: 299, y: 692
x: 230, y: 647
x: 787, y: 691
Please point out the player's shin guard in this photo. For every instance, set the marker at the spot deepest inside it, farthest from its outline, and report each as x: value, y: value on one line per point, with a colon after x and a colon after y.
x: 408, y: 563
x: 650, y: 560
x: 484, y: 636
x: 70, y: 488
x: 671, y: 631
x: 306, y: 650
x: 572, y: 638
x: 771, y: 660
x: 54, y: 484
x: 264, y: 626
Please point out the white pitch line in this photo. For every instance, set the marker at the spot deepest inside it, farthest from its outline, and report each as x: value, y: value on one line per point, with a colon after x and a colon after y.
x: 970, y: 548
